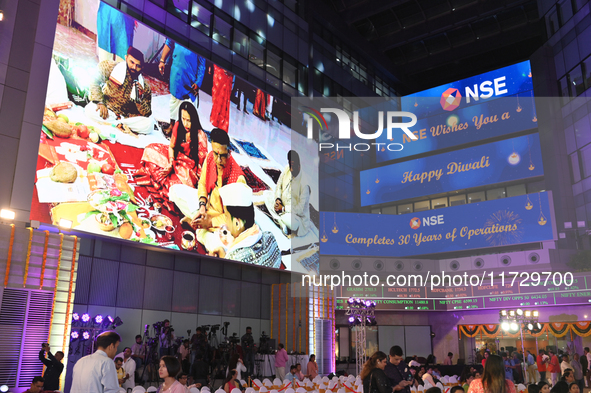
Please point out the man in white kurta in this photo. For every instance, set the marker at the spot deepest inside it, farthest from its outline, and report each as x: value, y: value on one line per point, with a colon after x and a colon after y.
x: 96, y: 373
x: 129, y: 367
x: 290, y: 204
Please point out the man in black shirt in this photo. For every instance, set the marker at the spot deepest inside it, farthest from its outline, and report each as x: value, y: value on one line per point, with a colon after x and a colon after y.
x: 247, y: 344
x: 54, y: 367
x: 397, y: 371
x: 200, y: 371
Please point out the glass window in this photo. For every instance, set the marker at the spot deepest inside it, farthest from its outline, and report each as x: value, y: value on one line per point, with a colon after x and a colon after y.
x: 256, y: 53
x: 575, y: 169
x: 552, y: 23
x: 476, y: 197
x: 457, y: 200
x: 587, y: 72
x: 438, y: 203
x: 569, y: 134
x: 273, y: 64
x: 221, y: 32
x: 582, y: 132
x: 403, y: 209
x: 586, y: 161
x: 495, y: 193
x: 317, y: 80
x: 565, y: 9
x: 240, y: 44
x: 289, y: 74
x: 563, y: 88
x: 576, y: 81
x: 536, y: 187
x: 389, y: 210
x: 518, y: 189
x: 379, y: 211
x: 201, y: 18
x: 327, y: 87
x: 422, y: 206
x: 303, y: 79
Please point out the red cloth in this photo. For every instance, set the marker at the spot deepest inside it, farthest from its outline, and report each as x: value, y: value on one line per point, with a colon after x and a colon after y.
x: 232, y: 172
x: 541, y: 364
x: 220, y: 95
x: 260, y: 104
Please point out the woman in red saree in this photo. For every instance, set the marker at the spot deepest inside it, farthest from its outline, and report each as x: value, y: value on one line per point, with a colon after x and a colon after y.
x: 260, y: 105
x: 220, y: 96
x: 179, y: 162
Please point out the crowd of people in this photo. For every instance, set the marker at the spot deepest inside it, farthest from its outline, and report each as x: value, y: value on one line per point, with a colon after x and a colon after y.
x: 390, y: 373
x: 107, y: 370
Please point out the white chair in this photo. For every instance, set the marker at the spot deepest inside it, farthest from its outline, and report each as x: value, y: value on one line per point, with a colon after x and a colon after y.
x: 235, y: 390
x: 243, y: 383
x: 250, y: 390
x: 289, y: 390
x: 138, y: 389
x: 263, y: 389
x: 122, y: 390
x: 317, y: 379
x: 341, y: 390
x: 439, y: 385
x: 220, y: 390
x: 153, y: 389
x: 453, y: 379
x: 205, y: 388
x: 274, y: 391
x: 193, y: 390
x: 325, y: 380
x: 277, y: 382
x: 331, y: 384
x: 301, y: 390
x: 413, y: 389
x: 444, y: 379
x: 421, y: 388
x: 267, y: 382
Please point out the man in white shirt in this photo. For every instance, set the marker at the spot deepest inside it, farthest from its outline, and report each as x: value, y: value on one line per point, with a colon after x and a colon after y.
x: 565, y: 364
x: 138, y: 351
x: 96, y: 373
x: 129, y: 367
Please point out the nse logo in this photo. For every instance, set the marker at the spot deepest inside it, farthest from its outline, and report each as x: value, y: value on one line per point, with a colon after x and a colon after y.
x: 451, y: 98
x: 415, y: 222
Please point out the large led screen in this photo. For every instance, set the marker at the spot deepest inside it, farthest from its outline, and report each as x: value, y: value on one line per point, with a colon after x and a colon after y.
x: 500, y: 222
x: 493, y: 104
x: 497, y: 162
x: 147, y: 141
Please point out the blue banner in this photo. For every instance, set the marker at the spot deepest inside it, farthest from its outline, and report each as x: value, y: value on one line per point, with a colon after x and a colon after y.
x: 474, y: 123
x: 502, y: 161
x: 501, y: 222
x: 503, y: 82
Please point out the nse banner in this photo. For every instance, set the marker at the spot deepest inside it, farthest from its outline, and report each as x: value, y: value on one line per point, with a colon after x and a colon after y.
x: 502, y: 161
x: 501, y: 222
x: 467, y: 111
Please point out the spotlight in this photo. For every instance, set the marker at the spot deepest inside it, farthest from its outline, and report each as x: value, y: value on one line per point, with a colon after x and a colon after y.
x: 536, y: 313
x: 108, y: 321
x: 514, y: 326
x: 3, y: 388
x: 351, y: 300
x: 117, y: 322
x: 98, y: 319
x: 505, y: 326
x: 357, y: 301
x: 503, y: 313
x: 65, y: 224
x: 85, y: 317
x: 530, y: 326
x: 85, y: 335
x: 519, y: 312
x: 75, y: 317
x: 74, y: 335
x: 351, y: 320
x: 511, y: 313
x: 368, y: 303
x: 7, y: 214
x: 539, y: 325
x: 528, y: 313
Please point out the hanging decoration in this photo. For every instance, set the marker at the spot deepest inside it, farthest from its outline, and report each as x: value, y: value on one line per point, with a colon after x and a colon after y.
x: 518, y: 106
x: 533, y: 105
x: 531, y: 166
x: 324, y: 239
x: 557, y: 329
x: 335, y: 228
x: 528, y: 204
x: 542, y: 220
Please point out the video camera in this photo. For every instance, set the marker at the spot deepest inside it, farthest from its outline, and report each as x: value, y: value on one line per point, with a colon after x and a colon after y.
x: 234, y: 339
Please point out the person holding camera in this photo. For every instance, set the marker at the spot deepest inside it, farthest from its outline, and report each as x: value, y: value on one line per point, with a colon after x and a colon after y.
x: 54, y: 367
x: 397, y: 371
x: 166, y: 339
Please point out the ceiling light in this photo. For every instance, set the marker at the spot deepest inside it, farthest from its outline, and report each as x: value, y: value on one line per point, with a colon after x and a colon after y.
x: 530, y: 326
x: 3, y: 388
x: 519, y: 312
x: 505, y: 326
x: 1, y: 19
x: 514, y: 326
x: 536, y: 313
x: 528, y: 314
x: 511, y: 313
x: 5, y: 213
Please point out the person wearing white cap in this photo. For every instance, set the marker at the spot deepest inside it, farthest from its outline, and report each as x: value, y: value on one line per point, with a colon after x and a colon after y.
x: 289, y: 205
x: 245, y: 242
